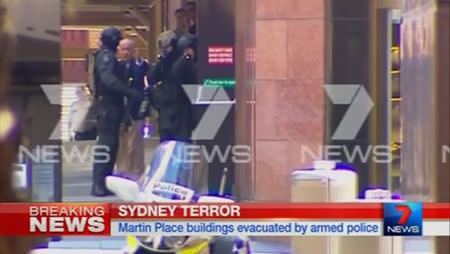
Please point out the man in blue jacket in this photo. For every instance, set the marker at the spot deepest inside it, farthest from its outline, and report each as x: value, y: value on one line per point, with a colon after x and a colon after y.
x: 131, y: 157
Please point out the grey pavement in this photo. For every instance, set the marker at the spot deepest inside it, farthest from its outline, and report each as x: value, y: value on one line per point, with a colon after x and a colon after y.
x: 77, y: 188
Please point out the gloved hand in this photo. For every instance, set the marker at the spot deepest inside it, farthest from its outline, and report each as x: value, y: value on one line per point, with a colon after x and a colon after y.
x: 144, y: 108
x: 163, y: 58
x: 189, y: 53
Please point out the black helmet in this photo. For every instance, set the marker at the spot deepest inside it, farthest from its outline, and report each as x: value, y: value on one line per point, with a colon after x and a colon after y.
x: 187, y: 41
x: 111, y: 37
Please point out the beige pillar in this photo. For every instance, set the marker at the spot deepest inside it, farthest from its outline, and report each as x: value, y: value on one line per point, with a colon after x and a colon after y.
x: 245, y: 106
x: 441, y: 187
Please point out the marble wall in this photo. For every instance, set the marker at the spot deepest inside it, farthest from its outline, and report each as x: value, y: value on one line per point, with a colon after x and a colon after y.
x: 296, y: 54
x: 442, y: 192
x: 426, y: 107
x: 441, y: 176
x: 289, y: 77
x: 420, y: 103
x: 245, y: 106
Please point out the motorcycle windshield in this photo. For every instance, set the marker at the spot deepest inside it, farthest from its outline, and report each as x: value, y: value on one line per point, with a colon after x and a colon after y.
x: 171, y: 164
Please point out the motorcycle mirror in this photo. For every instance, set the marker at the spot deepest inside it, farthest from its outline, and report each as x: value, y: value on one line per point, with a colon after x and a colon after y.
x: 127, y: 190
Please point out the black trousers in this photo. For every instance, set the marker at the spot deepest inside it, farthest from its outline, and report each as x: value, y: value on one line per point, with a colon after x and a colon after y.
x: 110, y: 116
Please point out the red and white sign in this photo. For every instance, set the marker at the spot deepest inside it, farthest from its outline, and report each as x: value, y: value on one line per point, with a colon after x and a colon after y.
x: 47, y: 219
x: 220, y: 55
x: 252, y: 211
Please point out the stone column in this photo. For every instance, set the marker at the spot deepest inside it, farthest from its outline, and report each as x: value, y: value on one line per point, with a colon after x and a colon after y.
x: 418, y: 59
x: 289, y: 94
x: 441, y: 175
x: 245, y: 101
x: 425, y: 104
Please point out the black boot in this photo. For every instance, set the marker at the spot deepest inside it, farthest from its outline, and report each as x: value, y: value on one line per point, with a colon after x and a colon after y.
x: 100, y: 191
x: 98, y: 186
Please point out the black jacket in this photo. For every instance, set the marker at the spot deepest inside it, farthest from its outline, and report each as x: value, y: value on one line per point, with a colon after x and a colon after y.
x: 175, y: 113
x: 135, y: 75
x: 109, y: 78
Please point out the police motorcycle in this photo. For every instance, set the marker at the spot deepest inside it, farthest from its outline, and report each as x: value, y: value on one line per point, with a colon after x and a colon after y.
x: 170, y: 179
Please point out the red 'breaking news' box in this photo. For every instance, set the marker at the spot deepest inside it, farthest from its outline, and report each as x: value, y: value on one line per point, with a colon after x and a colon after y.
x: 47, y: 219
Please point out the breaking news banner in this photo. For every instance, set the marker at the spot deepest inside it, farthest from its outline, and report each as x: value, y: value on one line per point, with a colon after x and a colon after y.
x: 251, y: 219
x: 50, y: 219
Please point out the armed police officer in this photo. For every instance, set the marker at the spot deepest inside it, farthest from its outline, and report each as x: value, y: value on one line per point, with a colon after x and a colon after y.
x: 175, y: 67
x: 111, y: 89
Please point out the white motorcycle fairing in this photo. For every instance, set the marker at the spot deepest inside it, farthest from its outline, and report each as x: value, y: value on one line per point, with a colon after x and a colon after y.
x: 127, y: 190
x: 163, y: 182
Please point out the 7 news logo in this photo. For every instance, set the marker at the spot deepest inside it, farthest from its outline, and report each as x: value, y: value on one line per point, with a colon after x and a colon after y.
x: 403, y: 219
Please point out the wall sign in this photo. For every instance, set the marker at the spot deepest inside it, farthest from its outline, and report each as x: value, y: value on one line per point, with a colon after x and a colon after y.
x: 223, y: 82
x: 220, y: 55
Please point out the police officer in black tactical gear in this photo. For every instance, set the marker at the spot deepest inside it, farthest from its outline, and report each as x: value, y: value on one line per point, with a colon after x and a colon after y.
x: 110, y: 93
x: 174, y: 68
